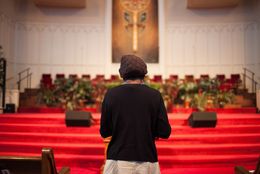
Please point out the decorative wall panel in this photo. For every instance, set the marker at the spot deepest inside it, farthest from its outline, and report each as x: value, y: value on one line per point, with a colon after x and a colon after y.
x: 60, y: 48
x: 212, y: 48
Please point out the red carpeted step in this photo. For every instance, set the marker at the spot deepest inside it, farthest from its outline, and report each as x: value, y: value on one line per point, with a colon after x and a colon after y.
x: 51, y: 137
x: 212, y: 138
x: 234, y: 141
x: 208, y: 149
x: 71, y: 160
x: 222, y: 129
x: 175, y: 119
x: 98, y: 148
x: 59, y: 148
x: 96, y: 138
x: 208, y: 160
x: 45, y: 128
x: 39, y: 118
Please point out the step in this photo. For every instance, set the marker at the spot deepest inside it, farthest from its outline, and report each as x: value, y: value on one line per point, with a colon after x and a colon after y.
x: 51, y: 137
x: 59, y: 148
x: 84, y: 160
x: 96, y: 138
x: 175, y: 119
x: 163, y: 149
x: 55, y: 128
x: 212, y: 138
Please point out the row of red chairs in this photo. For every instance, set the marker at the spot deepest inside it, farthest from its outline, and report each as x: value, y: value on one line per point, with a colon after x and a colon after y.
x: 234, y: 78
x: 47, y: 81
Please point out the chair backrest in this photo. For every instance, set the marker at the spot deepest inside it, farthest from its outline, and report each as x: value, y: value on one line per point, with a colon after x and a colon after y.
x: 60, y: 76
x: 43, y: 164
x: 204, y: 76
x: 174, y: 77
x: 189, y: 78
x: 221, y: 77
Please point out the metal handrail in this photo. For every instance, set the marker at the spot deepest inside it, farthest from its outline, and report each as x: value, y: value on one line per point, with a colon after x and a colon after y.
x: 28, y: 75
x: 21, y: 72
x: 9, y: 79
x: 252, y: 78
x: 245, y: 69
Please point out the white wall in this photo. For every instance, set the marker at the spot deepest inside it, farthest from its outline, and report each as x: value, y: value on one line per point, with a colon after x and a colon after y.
x: 191, y: 41
x: 257, y: 14
x: 211, y: 41
x: 7, y: 32
x: 70, y: 41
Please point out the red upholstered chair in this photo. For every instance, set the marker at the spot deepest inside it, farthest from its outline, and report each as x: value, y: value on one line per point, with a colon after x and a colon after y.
x: 60, y: 76
x: 173, y: 77
x: 235, y: 81
x: 114, y: 77
x: 157, y: 78
x: 100, y: 77
x: 235, y: 78
x: 46, y: 81
x: 73, y: 76
x: 204, y: 77
x: 60, y: 79
x: 189, y: 78
x: 46, y: 76
x: 86, y: 76
x: 221, y: 78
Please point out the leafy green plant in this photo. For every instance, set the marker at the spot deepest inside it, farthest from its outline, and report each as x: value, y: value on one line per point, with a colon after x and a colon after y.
x: 68, y: 93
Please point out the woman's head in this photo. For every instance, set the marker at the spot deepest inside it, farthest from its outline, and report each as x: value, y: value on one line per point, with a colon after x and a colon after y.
x: 132, y: 67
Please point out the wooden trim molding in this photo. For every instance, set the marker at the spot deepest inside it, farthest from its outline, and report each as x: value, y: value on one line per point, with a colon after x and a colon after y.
x: 61, y: 3
x: 208, y: 4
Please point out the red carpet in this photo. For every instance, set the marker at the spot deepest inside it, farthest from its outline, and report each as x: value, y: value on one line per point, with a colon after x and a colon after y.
x: 235, y: 141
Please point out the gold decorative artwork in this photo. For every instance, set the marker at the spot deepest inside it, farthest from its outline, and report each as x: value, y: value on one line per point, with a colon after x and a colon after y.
x: 135, y: 29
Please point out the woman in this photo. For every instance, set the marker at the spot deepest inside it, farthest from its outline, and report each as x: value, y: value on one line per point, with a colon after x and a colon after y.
x: 134, y: 115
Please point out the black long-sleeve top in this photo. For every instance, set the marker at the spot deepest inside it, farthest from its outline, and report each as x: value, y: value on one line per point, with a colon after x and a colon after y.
x: 134, y: 115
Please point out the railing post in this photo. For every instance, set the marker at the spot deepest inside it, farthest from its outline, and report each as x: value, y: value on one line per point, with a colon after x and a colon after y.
x: 27, y: 74
x: 19, y: 81
x: 30, y: 80
x: 244, y: 78
x: 253, y: 81
x: 3, y: 79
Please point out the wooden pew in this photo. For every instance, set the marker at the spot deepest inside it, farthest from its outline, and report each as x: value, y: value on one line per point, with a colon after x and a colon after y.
x: 242, y: 170
x: 44, y: 164
x: 106, y: 143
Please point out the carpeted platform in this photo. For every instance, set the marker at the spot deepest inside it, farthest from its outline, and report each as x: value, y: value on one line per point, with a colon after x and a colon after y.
x: 235, y: 141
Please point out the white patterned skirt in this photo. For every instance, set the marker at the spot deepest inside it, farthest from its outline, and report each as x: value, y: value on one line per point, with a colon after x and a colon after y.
x: 130, y: 167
